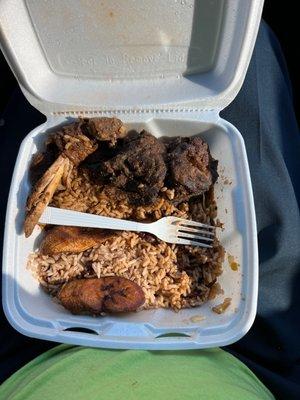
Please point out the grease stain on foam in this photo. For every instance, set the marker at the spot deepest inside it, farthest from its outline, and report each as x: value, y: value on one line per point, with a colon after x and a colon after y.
x: 194, y: 319
x: 234, y: 265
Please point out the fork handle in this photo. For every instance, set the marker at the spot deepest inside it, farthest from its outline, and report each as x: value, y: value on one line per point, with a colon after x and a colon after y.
x: 58, y: 216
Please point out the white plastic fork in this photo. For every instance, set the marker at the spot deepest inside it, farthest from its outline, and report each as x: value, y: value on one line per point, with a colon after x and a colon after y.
x: 169, y: 229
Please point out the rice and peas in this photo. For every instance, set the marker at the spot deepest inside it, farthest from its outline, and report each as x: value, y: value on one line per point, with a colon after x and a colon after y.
x: 171, y: 276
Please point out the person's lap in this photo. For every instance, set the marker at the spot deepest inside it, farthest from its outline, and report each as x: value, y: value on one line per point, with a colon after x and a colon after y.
x: 263, y: 113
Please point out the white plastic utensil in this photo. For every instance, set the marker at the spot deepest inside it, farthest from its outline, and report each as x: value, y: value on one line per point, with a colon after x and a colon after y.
x: 169, y: 229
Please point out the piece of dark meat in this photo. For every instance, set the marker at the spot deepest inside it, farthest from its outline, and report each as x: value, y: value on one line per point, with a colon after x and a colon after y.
x: 106, y: 129
x: 79, y: 139
x: 139, y: 168
x: 104, y: 152
x: 192, y: 170
x: 74, y: 143
x: 97, y: 296
x: 100, y: 129
x: 42, y: 161
x: 149, y: 237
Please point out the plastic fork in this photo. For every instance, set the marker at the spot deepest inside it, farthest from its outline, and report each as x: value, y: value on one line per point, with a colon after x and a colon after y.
x: 169, y: 229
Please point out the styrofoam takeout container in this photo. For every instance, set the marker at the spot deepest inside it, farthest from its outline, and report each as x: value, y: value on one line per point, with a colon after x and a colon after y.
x: 169, y: 67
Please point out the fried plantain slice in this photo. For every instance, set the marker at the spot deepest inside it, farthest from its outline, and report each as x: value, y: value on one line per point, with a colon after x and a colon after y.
x: 96, y: 296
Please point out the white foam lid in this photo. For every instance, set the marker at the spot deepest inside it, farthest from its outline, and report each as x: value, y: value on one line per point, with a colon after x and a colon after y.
x: 129, y: 54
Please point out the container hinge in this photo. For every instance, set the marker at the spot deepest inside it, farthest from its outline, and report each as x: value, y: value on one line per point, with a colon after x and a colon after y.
x: 153, y: 111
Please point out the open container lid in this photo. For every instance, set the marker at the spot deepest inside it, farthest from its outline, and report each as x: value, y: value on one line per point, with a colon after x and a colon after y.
x: 129, y: 55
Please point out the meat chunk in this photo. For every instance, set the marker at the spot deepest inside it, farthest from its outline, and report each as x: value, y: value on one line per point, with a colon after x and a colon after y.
x: 100, y: 129
x: 79, y: 139
x: 73, y: 239
x: 192, y: 170
x: 42, y: 161
x: 73, y: 148
x: 96, y: 296
x: 139, y: 168
x: 106, y: 129
x: 74, y: 143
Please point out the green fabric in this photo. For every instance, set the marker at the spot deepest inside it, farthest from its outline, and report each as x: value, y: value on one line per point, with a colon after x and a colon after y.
x: 68, y: 372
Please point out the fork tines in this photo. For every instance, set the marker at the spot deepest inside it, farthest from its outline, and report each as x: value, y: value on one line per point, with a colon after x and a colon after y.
x: 195, y: 233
